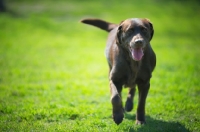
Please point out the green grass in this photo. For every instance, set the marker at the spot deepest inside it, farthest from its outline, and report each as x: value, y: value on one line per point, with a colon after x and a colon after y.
x: 54, y: 75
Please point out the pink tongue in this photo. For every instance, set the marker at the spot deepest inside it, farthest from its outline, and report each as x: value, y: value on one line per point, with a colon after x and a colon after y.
x: 137, y: 54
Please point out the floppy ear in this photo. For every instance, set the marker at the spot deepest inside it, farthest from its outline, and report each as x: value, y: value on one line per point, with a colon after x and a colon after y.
x: 119, y: 33
x: 151, y: 29
x: 118, y: 36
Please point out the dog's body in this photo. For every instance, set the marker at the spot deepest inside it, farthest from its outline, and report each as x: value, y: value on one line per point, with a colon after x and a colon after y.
x: 131, y: 61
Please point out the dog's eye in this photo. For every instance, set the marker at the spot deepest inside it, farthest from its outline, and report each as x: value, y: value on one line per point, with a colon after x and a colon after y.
x: 144, y: 30
x: 130, y: 31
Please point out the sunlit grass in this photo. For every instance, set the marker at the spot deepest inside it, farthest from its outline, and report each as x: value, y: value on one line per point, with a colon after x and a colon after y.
x: 54, y: 75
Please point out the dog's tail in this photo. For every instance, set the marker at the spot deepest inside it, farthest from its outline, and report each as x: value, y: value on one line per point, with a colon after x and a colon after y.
x: 100, y: 24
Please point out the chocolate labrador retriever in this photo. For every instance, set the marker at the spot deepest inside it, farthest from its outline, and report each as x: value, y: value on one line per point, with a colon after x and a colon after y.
x: 131, y: 60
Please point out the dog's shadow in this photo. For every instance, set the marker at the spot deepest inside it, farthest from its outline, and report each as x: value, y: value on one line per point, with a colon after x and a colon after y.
x: 154, y: 125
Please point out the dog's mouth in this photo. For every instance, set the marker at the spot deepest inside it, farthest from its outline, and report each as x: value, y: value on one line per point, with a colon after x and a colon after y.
x: 137, y: 53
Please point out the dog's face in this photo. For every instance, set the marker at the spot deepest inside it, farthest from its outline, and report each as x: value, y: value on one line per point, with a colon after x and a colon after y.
x: 134, y: 35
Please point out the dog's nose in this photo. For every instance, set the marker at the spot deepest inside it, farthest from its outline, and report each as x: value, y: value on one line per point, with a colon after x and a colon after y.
x: 138, y: 42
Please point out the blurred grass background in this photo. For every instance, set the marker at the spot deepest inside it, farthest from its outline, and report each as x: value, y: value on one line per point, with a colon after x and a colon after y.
x: 53, y: 72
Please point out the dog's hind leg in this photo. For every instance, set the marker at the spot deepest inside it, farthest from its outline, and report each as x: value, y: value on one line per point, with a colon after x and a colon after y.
x: 129, y: 101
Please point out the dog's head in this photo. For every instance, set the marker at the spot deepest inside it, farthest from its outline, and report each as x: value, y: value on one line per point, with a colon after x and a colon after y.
x: 134, y: 35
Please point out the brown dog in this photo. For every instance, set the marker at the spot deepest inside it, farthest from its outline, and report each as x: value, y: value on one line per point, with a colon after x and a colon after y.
x: 131, y: 61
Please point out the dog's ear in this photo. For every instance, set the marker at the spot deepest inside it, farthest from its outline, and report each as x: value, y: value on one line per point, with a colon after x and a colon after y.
x: 118, y: 36
x: 151, y: 29
x: 119, y: 32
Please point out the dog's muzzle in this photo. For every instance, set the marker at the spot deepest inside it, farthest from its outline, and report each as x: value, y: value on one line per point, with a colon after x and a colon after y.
x: 136, y: 49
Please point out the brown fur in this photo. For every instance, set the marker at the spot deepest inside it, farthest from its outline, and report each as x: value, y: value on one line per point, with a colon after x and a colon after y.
x: 131, y: 61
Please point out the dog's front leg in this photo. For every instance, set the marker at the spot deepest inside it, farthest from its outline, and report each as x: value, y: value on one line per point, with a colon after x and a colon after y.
x: 118, y: 112
x: 143, y: 91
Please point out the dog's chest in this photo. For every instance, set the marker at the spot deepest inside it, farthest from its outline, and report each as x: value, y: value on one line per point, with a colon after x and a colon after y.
x: 132, y: 73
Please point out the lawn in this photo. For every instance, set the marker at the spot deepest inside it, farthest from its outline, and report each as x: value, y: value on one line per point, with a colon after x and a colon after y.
x: 54, y: 75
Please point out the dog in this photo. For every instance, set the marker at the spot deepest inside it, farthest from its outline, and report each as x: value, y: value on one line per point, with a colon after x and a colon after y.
x: 131, y: 61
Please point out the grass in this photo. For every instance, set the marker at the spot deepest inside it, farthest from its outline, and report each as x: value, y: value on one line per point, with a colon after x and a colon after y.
x: 53, y: 72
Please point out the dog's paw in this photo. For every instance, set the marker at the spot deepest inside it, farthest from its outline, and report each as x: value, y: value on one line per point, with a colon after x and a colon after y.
x: 118, y: 111
x: 118, y: 116
x: 140, y: 122
x: 129, y: 105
